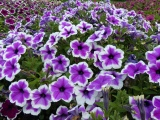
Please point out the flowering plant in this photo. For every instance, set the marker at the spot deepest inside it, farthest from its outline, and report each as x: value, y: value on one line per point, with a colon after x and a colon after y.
x: 81, y: 60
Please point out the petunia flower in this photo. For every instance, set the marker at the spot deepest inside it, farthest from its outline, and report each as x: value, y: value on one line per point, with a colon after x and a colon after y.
x: 117, y: 82
x: 141, y: 107
x: 60, y: 63
x: 11, y: 68
x: 107, y: 31
x: 41, y: 97
x: 53, y: 39
x: 94, y: 48
x: 47, y: 52
x: 79, y: 49
x: 19, y: 92
x: 16, y: 49
x: 131, y: 13
x: 84, y: 27
x: 98, y: 112
x: 29, y: 109
x: 113, y: 20
x: 38, y: 37
x: 101, y: 81
x: 97, y: 63
x: 64, y: 24
x: 156, y: 37
x: 9, y: 110
x: 132, y: 69
x: 153, y: 56
x: 68, y: 31
x: 111, y: 57
x: 146, y: 25
x: 156, y: 110
x: 85, y: 96
x: 80, y: 73
x: 10, y: 21
x: 96, y: 36
x: 61, y: 113
x: 154, y: 72
x: 62, y: 89
x: 4, y: 12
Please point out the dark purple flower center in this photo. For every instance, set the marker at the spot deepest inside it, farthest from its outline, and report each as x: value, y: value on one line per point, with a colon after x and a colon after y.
x: 147, y: 103
x: 49, y: 52
x: 92, y: 51
x: 80, y: 47
x: 158, y: 58
x: 62, y: 89
x: 68, y: 32
x: 16, y: 51
x: 21, y: 90
x: 10, y: 106
x: 80, y: 72
x: 158, y: 71
x: 43, y: 95
x: 12, y: 66
x: 60, y: 61
x: 84, y: 28
x: 85, y: 92
x: 110, y: 56
x: 114, y: 75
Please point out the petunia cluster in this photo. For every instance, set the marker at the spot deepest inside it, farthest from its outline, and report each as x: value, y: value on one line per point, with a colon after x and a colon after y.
x: 80, y: 60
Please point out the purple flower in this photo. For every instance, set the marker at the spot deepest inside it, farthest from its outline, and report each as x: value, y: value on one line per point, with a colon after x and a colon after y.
x: 111, y: 58
x: 41, y: 97
x: 94, y: 48
x: 62, y: 113
x: 10, y: 21
x: 61, y: 89
x: 11, y: 68
x: 97, y: 62
x: 80, y: 49
x: 38, y: 37
x: 156, y: 37
x: 156, y: 103
x: 131, y: 13
x: 85, y: 96
x: 68, y: 31
x: 97, y: 36
x: 80, y: 73
x: 4, y: 12
x: 118, y: 12
x: 19, y: 92
x: 113, y: 20
x: 154, y: 72
x: 60, y: 63
x: 102, y: 80
x: 132, y: 69
x: 47, y: 52
x: 107, y: 32
x: 153, y: 56
x: 146, y: 26
x: 64, y: 24
x: 14, y: 50
x: 29, y: 109
x: 117, y: 82
x: 9, y: 110
x: 53, y: 39
x: 84, y: 26
x: 98, y: 112
x: 142, y: 108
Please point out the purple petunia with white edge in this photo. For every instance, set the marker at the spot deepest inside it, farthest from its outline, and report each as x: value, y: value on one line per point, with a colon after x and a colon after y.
x: 80, y: 49
x: 41, y: 97
x: 80, y: 73
x: 155, y: 112
x: 19, y: 92
x: 132, y: 69
x: 111, y: 57
x: 62, y: 89
x: 14, y: 50
x: 11, y: 68
x: 84, y: 26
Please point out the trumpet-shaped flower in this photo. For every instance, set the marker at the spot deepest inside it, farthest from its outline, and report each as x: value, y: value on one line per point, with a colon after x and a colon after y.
x: 20, y: 92
x: 80, y: 73
x: 84, y: 26
x: 62, y: 89
x: 111, y: 57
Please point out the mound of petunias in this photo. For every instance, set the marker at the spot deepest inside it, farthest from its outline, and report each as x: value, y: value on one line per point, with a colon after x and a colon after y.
x: 81, y: 60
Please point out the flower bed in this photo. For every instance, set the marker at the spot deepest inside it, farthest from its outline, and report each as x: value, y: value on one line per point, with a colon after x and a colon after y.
x: 81, y: 60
